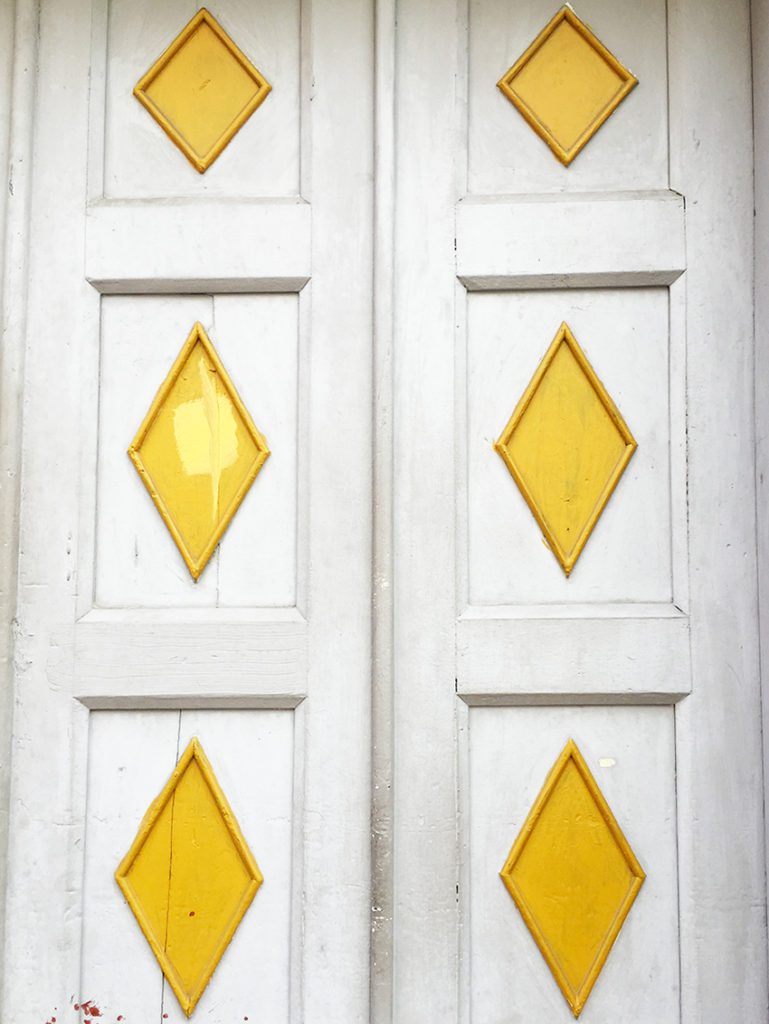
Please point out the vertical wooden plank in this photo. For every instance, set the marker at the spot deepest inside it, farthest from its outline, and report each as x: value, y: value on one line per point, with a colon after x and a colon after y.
x: 425, y: 883
x: 257, y: 339
x: 131, y: 754
x: 337, y: 795
x: 137, y: 561
x: 382, y: 736
x: 49, y: 734
x: 723, y: 920
x: 760, y: 39
x: 18, y: 57
x: 251, y: 754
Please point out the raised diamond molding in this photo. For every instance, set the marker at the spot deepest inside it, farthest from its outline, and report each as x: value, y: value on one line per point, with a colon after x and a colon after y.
x: 566, y: 446
x: 189, y: 876
x: 566, y: 84
x: 573, y: 876
x: 197, y: 450
x: 202, y: 90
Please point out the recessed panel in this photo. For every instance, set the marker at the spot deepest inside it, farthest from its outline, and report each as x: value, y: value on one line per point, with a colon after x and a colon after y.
x: 131, y: 757
x: 629, y: 149
x: 262, y: 159
x: 624, y: 338
x: 138, y: 562
x: 629, y: 756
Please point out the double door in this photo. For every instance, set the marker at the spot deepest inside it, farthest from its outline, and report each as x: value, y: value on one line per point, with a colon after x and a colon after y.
x: 385, y: 515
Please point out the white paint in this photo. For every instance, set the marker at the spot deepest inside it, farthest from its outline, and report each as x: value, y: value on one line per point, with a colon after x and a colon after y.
x: 542, y: 241
x: 213, y: 247
x: 760, y: 34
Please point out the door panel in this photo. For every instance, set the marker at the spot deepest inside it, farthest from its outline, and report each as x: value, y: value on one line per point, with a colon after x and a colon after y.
x: 131, y: 755
x: 256, y: 338
x: 138, y: 161
x: 503, y: 153
x: 500, y: 658
x: 631, y: 752
x: 265, y: 660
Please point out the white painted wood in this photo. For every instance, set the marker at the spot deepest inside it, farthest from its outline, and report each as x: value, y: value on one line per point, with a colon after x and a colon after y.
x: 104, y: 632
x: 625, y: 335
x: 184, y: 246
x: 718, y: 731
x: 137, y: 562
x: 131, y: 755
x: 252, y: 756
x: 258, y: 340
x: 18, y: 57
x: 263, y: 159
x: 608, y: 659
x: 337, y: 866
x: 590, y: 241
x: 629, y: 151
x: 48, y: 785
x: 382, y: 681
x: 425, y: 946
x: 516, y: 632
x: 143, y: 659
x: 759, y: 20
x: 510, y: 753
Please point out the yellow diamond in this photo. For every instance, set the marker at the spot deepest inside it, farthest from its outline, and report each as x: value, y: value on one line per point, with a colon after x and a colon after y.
x: 566, y: 446
x: 567, y: 84
x: 202, y: 90
x: 197, y: 450
x: 189, y: 876
x: 573, y: 876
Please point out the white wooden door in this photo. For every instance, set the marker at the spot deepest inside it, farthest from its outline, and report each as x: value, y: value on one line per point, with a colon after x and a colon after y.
x: 381, y: 257
x: 646, y: 654
x: 121, y: 658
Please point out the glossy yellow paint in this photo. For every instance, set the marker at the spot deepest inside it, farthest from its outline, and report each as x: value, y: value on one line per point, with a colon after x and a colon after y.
x: 189, y: 876
x: 573, y: 876
x: 197, y: 451
x: 566, y: 446
x: 202, y: 90
x: 567, y: 84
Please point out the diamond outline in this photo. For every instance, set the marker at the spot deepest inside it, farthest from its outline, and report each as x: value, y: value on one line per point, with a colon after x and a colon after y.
x: 564, y: 335
x: 578, y: 999
x: 505, y: 84
x: 197, y: 334
x: 189, y: 999
x: 263, y: 88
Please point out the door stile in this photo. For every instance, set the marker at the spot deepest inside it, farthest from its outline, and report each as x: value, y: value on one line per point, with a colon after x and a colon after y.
x: 720, y: 814
x: 760, y: 41
x: 382, y: 681
x: 47, y: 791
x: 425, y: 872
x: 18, y: 58
x: 338, y: 758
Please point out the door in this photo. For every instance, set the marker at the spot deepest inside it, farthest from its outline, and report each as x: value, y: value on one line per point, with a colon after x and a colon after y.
x: 190, y: 299
x: 377, y: 402
x: 622, y: 211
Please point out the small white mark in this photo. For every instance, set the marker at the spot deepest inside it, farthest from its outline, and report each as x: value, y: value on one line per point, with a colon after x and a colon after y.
x: 606, y: 762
